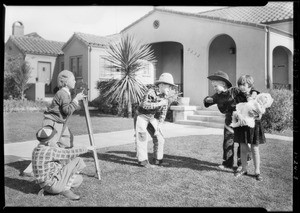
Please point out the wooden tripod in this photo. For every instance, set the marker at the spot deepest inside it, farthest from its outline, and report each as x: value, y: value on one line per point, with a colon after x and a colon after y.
x: 91, y: 136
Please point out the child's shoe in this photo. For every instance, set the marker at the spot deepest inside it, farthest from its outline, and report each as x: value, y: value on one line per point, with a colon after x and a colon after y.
x: 258, y: 177
x: 160, y: 162
x: 240, y: 173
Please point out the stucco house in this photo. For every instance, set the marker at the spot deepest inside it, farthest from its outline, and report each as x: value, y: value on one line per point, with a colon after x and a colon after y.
x: 44, y: 56
x: 83, y: 55
x: 238, y: 40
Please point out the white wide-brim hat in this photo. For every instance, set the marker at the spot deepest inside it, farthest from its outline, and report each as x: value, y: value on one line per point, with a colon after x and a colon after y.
x: 166, y: 78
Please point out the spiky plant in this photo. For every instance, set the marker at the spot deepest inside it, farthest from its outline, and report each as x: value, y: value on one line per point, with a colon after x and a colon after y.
x: 127, y: 56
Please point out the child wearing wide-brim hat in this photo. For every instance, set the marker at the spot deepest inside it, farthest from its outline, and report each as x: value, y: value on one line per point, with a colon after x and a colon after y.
x: 225, y: 103
x: 149, y: 116
x: 56, y: 169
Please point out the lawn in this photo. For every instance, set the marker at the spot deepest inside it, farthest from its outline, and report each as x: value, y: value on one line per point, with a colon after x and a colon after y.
x: 191, y: 180
x: 16, y: 131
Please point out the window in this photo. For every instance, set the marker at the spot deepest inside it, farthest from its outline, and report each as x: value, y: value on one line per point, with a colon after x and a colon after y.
x: 76, y: 65
x: 106, y: 71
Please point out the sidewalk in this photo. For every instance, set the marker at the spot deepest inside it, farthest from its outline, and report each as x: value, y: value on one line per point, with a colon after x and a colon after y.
x: 20, y: 151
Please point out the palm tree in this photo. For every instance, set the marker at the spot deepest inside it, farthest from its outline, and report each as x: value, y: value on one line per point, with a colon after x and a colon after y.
x: 126, y: 56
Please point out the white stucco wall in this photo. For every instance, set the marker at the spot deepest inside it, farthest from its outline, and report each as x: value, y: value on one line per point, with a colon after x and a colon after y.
x: 77, y: 48
x: 276, y: 40
x: 96, y: 53
x: 285, y: 26
x: 33, y: 61
x: 196, y: 35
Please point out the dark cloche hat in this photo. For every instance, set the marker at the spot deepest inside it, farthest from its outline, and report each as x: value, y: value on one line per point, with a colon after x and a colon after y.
x: 220, y: 76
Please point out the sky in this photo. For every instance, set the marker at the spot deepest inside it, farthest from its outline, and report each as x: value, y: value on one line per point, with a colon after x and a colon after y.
x: 58, y: 23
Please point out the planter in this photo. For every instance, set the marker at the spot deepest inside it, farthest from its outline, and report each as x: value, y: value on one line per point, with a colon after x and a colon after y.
x: 184, y: 101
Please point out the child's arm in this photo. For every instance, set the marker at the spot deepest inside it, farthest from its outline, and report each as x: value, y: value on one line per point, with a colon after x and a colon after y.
x: 163, y: 113
x: 66, y: 105
x: 209, y: 100
x: 66, y: 154
x: 147, y: 104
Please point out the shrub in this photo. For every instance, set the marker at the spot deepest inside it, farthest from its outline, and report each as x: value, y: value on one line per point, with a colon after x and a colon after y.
x: 14, y: 105
x: 16, y: 75
x: 279, y: 116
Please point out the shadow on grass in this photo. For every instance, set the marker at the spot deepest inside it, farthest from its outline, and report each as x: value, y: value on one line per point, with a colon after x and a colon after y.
x: 26, y: 185
x: 172, y: 160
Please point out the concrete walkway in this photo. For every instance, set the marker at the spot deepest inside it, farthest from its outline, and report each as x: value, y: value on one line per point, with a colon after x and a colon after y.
x: 20, y: 151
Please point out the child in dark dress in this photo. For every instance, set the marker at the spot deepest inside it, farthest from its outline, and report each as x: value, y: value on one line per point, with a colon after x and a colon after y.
x: 224, y: 98
x: 246, y: 135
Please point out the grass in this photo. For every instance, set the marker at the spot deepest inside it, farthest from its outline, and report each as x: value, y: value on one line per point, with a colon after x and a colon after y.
x: 192, y: 179
x: 16, y: 131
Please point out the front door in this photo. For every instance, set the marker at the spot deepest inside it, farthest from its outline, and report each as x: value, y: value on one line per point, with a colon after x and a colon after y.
x: 44, y: 75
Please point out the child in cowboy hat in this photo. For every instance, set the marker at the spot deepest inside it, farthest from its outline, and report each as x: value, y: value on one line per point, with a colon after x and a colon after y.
x: 154, y: 103
x: 57, y: 169
x: 224, y: 98
x: 61, y: 107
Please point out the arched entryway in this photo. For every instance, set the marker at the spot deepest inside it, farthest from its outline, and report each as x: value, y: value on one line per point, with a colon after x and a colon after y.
x: 169, y: 58
x: 222, y: 56
x: 282, y: 68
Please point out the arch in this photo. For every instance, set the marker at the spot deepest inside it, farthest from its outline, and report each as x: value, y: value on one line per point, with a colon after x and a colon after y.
x: 282, y: 68
x: 222, y: 56
x: 169, y: 58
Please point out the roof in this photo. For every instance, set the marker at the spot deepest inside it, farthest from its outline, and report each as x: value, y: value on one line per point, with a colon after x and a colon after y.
x: 254, y: 15
x: 34, y: 34
x: 93, y: 40
x: 36, y: 45
x: 270, y: 13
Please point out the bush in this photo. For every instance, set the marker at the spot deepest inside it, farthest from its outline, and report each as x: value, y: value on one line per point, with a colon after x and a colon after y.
x: 24, y: 106
x: 279, y: 116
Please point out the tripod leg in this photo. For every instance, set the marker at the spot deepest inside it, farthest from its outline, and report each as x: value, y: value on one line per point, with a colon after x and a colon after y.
x: 89, y: 126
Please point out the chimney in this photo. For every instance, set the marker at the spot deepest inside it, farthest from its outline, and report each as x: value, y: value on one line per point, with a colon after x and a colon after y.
x: 18, y: 29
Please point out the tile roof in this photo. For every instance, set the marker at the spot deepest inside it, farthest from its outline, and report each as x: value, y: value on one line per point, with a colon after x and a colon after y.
x: 35, y: 45
x: 93, y: 40
x: 270, y: 13
x: 254, y: 15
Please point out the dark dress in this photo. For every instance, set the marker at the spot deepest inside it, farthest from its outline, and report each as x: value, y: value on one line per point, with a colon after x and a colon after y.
x: 245, y: 134
x: 226, y: 105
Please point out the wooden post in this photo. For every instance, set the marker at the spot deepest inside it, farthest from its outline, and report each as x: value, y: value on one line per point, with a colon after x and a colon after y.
x: 91, y: 136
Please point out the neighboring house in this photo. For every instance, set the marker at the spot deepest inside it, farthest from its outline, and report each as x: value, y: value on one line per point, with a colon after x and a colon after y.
x: 238, y: 40
x: 83, y: 55
x: 43, y: 56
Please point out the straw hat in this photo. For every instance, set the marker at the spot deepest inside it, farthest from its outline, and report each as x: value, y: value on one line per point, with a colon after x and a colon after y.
x: 166, y: 78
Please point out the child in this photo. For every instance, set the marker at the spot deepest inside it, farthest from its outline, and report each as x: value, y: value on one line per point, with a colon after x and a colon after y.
x: 56, y: 169
x: 225, y: 102
x: 146, y: 121
x: 61, y: 107
x: 246, y: 135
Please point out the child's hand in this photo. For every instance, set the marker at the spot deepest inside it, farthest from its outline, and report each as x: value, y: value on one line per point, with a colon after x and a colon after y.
x: 80, y: 96
x: 91, y: 148
x: 209, y: 100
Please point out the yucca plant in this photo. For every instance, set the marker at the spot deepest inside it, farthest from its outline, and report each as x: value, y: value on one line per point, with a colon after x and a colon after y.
x: 127, y: 56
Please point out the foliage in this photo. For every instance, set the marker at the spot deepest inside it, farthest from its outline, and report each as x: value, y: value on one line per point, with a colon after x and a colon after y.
x: 279, y: 116
x: 16, y: 75
x: 128, y: 57
x: 15, y: 105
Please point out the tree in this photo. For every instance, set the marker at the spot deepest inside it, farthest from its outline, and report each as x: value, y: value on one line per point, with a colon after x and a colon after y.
x: 128, y: 57
x: 16, y: 75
